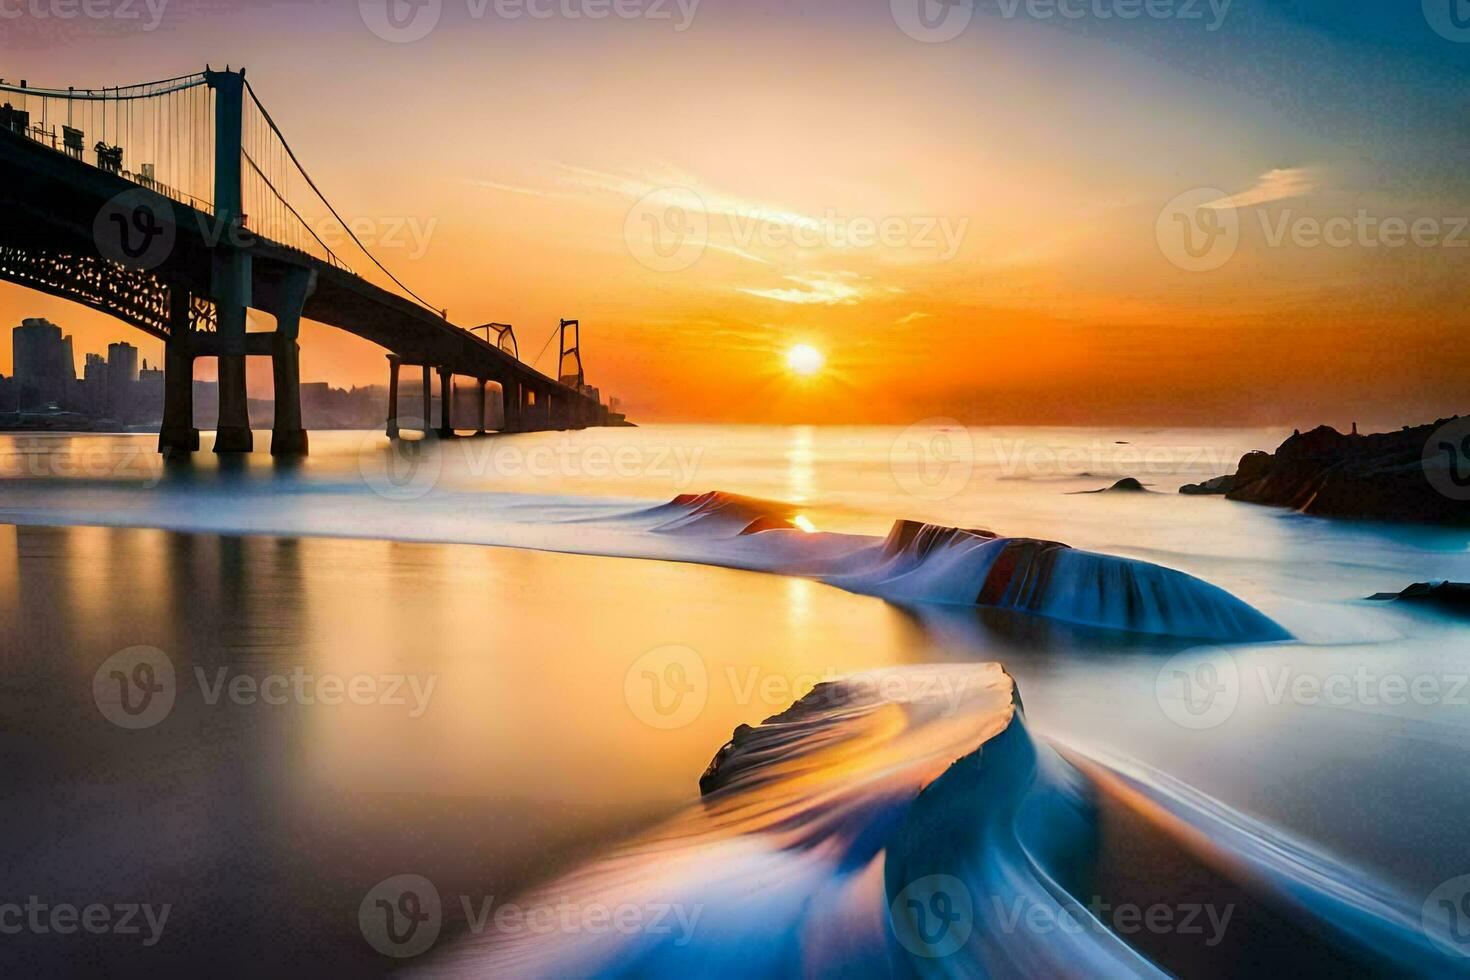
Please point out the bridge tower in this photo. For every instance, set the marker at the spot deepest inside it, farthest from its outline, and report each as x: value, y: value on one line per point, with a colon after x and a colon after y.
x: 231, y: 264
x: 577, y: 379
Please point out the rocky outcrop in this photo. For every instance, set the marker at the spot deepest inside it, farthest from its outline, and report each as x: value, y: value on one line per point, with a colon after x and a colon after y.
x: 1450, y: 596
x: 1219, y: 485
x: 1397, y: 476
x: 1126, y: 485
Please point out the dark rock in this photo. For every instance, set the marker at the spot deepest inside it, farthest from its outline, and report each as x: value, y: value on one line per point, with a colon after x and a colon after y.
x: 1394, y: 476
x: 1126, y: 485
x: 1451, y: 596
x: 1252, y: 466
x: 1219, y: 485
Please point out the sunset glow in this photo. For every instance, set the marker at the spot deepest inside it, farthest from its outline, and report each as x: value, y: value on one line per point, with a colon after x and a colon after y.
x: 805, y: 360
x: 976, y: 256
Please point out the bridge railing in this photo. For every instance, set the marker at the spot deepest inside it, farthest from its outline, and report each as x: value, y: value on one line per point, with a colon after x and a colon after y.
x: 143, y: 133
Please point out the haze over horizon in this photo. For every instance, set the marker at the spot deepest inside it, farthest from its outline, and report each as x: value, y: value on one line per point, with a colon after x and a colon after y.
x: 977, y: 229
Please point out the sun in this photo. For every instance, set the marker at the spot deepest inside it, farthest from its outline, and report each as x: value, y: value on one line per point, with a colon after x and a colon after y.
x: 805, y: 360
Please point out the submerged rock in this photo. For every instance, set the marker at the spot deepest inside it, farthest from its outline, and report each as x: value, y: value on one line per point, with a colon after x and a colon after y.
x: 1126, y: 485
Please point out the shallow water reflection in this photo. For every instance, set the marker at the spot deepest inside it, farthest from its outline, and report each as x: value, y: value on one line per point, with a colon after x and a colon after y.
x: 497, y: 728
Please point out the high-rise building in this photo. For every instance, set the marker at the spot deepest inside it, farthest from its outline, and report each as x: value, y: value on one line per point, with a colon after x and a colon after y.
x: 44, y: 368
x: 94, y: 384
x: 122, y: 377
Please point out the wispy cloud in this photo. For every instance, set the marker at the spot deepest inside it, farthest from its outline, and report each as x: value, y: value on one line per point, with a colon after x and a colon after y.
x: 816, y: 288
x: 1273, y: 185
x: 494, y: 185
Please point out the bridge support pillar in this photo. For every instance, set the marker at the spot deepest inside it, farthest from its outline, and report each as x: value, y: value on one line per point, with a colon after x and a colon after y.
x: 510, y: 406
x: 428, y: 401
x: 178, y: 437
x: 480, y: 429
x: 393, y: 365
x: 446, y: 403
x: 233, y: 433
x: 288, y: 436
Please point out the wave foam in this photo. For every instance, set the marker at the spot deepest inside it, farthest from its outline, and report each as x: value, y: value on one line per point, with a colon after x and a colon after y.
x: 930, y: 563
x: 907, y: 824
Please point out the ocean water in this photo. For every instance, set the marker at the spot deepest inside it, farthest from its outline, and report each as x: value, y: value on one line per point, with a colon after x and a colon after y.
x: 569, y: 650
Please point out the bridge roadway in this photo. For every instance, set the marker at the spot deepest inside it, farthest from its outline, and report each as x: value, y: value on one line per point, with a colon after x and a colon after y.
x: 60, y: 221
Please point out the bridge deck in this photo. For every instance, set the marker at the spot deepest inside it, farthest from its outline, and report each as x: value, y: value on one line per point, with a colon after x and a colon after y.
x: 51, y: 202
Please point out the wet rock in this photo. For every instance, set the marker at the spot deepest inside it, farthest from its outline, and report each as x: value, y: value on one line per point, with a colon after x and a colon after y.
x: 1450, y: 596
x: 1393, y: 476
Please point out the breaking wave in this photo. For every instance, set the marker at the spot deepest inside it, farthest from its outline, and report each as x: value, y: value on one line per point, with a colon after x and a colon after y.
x: 907, y: 824
x: 928, y: 563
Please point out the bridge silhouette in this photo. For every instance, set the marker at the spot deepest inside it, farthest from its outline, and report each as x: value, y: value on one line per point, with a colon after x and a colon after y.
x: 190, y: 209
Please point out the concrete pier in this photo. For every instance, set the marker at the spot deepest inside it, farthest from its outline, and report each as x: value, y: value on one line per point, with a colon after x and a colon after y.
x: 394, y: 363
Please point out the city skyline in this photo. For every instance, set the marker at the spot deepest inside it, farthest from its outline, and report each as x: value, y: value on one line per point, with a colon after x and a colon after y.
x: 46, y: 389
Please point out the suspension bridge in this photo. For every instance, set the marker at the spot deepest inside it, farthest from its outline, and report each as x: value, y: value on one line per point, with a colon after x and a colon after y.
x: 176, y: 206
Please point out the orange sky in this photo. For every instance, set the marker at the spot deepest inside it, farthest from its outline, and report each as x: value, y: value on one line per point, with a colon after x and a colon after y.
x: 1013, y: 180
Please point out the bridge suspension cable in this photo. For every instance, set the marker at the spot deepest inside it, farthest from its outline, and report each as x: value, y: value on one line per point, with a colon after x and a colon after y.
x: 278, y: 154
x: 161, y: 135
x: 157, y: 134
